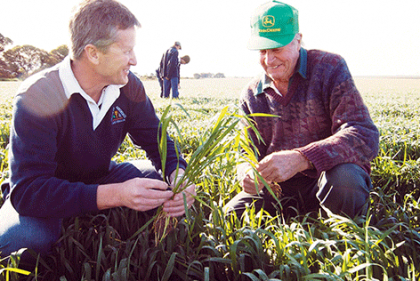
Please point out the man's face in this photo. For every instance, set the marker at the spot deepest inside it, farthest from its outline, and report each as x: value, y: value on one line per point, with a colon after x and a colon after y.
x: 279, y: 64
x: 116, y: 61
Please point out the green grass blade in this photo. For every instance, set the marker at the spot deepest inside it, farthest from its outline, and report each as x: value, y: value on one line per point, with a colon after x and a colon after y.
x: 169, y: 268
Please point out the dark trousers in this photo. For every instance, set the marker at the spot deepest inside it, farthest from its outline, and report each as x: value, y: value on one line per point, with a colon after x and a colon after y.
x: 39, y: 234
x: 343, y: 190
x: 160, y: 80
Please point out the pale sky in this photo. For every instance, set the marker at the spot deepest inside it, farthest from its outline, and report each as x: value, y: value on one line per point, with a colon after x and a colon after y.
x: 374, y: 37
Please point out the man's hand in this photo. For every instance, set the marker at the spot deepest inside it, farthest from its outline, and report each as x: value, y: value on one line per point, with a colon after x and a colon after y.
x: 175, y: 206
x: 282, y: 165
x: 139, y: 194
x: 247, y: 180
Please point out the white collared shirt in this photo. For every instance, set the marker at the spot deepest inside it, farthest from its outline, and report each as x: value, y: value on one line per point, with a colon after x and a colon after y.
x: 71, y: 86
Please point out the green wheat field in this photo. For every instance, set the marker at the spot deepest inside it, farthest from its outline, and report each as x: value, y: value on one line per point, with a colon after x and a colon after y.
x: 120, y: 244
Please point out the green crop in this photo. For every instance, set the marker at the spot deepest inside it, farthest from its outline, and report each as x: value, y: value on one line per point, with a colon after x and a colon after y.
x: 119, y: 244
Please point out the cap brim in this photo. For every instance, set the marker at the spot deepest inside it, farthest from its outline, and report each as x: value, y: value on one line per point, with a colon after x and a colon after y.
x: 264, y: 43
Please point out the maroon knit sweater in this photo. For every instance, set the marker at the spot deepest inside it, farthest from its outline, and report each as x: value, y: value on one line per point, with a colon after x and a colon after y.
x: 322, y: 115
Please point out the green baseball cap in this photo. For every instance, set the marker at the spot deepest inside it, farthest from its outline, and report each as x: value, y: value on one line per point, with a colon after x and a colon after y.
x: 273, y: 25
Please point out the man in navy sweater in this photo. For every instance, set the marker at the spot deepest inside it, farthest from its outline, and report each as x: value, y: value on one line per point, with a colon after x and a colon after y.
x: 69, y: 121
x: 169, y: 70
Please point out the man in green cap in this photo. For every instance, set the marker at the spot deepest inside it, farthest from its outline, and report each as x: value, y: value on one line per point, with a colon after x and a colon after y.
x: 319, y: 146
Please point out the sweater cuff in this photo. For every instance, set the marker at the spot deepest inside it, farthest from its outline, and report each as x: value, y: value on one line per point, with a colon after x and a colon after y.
x: 172, y: 167
x: 88, y: 200
x: 319, y: 160
x: 311, y: 165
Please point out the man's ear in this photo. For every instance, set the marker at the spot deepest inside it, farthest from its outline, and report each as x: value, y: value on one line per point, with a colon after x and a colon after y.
x: 298, y: 38
x: 92, y: 53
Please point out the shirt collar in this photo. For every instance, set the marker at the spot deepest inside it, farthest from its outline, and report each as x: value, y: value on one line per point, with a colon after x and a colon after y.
x: 301, y: 66
x: 69, y: 81
x: 98, y: 110
x: 72, y: 86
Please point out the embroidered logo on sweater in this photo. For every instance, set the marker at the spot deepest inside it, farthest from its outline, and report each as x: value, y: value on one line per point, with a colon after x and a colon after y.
x: 118, y: 115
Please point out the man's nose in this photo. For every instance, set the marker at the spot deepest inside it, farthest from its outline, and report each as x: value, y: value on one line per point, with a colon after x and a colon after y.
x: 269, y: 57
x: 133, y: 59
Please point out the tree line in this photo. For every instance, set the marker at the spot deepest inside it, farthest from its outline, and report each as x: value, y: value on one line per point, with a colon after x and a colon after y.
x: 22, y: 61
x: 208, y: 75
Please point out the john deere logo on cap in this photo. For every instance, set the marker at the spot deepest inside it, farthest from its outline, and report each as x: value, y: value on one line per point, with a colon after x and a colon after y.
x: 273, y: 25
x: 268, y: 21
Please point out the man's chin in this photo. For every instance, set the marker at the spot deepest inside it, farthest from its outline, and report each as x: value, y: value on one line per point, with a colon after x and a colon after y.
x: 276, y: 77
x: 123, y: 80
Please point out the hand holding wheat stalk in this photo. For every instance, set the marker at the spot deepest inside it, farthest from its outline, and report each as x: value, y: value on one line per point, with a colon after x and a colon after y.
x: 222, y: 137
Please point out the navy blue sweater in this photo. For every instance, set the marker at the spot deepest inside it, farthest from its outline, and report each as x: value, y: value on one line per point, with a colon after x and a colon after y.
x: 56, y: 156
x: 169, y: 66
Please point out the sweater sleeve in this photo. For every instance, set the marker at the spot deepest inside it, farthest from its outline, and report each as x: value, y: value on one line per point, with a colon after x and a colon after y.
x: 36, y: 191
x: 354, y: 138
x: 145, y: 128
x: 173, y: 64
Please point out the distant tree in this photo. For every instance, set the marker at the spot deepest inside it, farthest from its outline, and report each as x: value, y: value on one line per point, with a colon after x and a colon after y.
x: 4, y: 70
x: 59, y: 54
x: 4, y: 41
x: 25, y: 60
x: 208, y: 75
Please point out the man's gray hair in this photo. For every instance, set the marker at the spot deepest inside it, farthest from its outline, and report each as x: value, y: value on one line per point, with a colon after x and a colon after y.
x: 96, y: 22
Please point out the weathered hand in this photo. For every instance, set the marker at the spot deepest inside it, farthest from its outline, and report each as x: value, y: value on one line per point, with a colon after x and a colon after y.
x: 251, y: 185
x: 281, y: 166
x: 247, y: 180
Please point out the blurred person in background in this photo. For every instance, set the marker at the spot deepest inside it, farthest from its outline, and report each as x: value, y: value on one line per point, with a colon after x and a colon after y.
x: 169, y: 70
x: 183, y: 60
